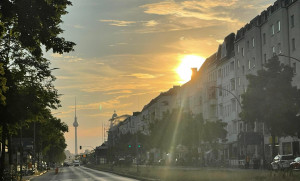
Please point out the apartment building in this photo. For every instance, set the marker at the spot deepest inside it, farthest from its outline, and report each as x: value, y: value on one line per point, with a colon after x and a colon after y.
x: 215, y: 90
x: 275, y: 31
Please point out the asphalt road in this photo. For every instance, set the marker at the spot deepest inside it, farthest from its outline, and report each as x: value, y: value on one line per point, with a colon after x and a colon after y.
x: 80, y: 174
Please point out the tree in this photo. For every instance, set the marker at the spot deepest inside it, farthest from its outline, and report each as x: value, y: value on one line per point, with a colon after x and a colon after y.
x: 35, y: 23
x: 3, y: 87
x: 271, y: 99
x: 183, y: 128
x: 49, y: 138
x: 26, y: 25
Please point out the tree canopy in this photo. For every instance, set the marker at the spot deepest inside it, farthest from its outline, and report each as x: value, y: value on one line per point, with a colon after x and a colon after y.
x: 26, y: 82
x: 273, y: 100
x: 35, y: 23
x: 182, y: 128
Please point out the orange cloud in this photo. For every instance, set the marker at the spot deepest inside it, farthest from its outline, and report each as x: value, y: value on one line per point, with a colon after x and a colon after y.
x: 118, y: 22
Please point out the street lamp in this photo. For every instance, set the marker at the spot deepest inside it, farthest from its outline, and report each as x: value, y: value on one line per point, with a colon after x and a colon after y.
x: 229, y: 93
x: 232, y: 95
x: 288, y: 57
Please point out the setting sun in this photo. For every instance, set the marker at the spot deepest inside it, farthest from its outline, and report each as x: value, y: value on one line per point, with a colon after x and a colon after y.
x: 187, y: 62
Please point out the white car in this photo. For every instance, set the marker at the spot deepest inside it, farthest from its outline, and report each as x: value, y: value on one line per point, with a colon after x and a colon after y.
x: 281, y: 162
x: 76, y: 163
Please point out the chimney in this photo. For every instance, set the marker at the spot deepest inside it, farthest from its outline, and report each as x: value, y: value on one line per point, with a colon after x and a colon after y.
x: 194, y: 73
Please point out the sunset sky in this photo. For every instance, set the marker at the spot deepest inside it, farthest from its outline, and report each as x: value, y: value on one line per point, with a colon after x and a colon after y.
x: 128, y: 51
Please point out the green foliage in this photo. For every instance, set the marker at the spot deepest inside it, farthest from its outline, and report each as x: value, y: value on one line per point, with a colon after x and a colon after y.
x: 271, y: 99
x: 50, y: 141
x: 3, y: 87
x: 25, y: 77
x: 35, y: 23
x: 29, y: 83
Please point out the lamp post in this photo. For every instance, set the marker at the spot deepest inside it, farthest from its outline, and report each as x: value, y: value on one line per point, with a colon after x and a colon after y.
x: 281, y: 55
x: 216, y: 87
x: 229, y: 93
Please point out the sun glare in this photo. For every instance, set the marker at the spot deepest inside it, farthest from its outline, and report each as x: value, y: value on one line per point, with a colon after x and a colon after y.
x: 187, y: 62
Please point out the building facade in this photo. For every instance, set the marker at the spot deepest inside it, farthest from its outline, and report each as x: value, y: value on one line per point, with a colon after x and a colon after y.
x: 215, y: 90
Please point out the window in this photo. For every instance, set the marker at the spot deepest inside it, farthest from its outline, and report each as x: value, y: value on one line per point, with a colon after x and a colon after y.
x: 273, y: 29
x: 238, y: 48
x: 233, y: 105
x: 278, y: 26
x: 264, y: 38
x: 292, y: 21
x: 293, y: 44
x: 232, y: 82
x: 221, y: 109
x: 253, y: 62
x: 239, y: 81
x: 249, y: 64
x: 294, y: 67
x: 232, y: 66
x: 273, y: 50
x: 265, y: 58
x: 243, y: 53
x: 243, y: 68
x: 238, y: 64
x: 253, y: 42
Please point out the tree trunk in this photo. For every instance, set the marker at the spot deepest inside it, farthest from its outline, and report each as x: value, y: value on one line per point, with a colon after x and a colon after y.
x: 2, y: 159
x: 10, y: 151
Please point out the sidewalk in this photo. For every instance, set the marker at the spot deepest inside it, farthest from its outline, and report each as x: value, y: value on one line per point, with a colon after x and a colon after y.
x: 29, y: 177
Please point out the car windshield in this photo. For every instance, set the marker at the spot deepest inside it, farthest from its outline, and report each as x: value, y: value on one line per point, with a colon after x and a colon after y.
x: 297, y: 159
x: 287, y: 157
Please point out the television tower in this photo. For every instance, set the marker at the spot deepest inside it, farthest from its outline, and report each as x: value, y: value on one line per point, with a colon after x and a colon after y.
x: 75, y: 124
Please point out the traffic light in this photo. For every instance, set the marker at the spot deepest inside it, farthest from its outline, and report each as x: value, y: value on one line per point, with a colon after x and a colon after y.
x: 139, y: 146
x: 129, y: 146
x: 80, y: 147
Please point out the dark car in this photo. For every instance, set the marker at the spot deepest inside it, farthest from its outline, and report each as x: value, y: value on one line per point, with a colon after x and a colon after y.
x: 281, y: 162
x: 296, y: 163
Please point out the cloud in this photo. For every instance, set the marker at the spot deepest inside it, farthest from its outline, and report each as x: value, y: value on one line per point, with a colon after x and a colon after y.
x: 202, y: 10
x: 151, y: 23
x: 190, y: 14
x: 78, y: 26
x: 110, y: 104
x: 118, y: 22
x: 67, y: 58
x: 56, y: 55
x: 141, y: 76
x: 63, y: 77
x: 119, y: 92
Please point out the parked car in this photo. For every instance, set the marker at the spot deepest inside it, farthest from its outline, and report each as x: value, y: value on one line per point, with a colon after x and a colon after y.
x: 281, y: 162
x: 296, y: 163
x: 76, y: 163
